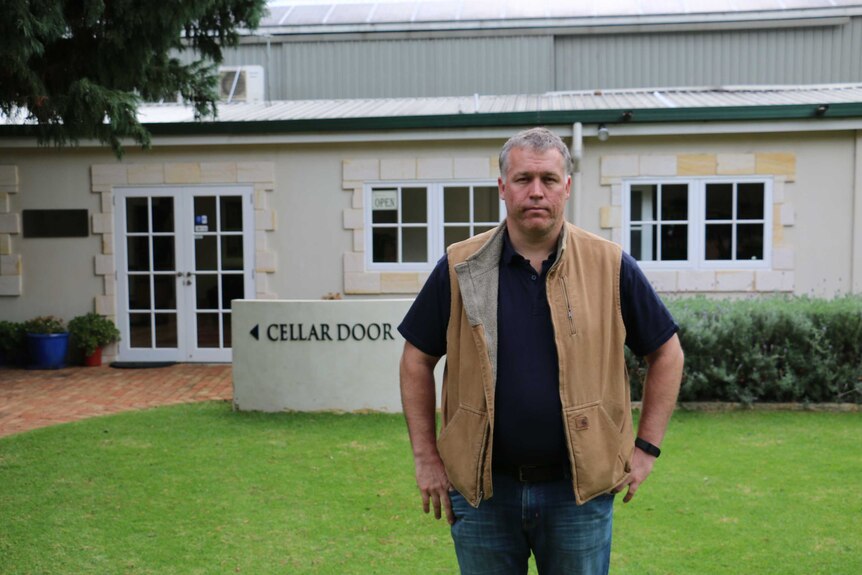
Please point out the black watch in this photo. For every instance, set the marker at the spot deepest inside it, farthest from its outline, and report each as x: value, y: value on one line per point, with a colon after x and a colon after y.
x: 647, y: 447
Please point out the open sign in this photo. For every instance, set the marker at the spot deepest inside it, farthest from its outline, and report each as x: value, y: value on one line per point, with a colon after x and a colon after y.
x: 384, y: 200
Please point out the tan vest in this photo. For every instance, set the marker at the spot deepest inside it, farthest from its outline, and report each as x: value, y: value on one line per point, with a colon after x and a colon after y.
x: 583, y: 295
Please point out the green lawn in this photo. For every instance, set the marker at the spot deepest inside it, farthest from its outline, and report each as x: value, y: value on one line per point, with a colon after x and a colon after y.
x: 199, y: 489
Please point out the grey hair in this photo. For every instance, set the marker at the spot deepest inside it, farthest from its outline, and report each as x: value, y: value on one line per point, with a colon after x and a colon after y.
x: 536, y: 140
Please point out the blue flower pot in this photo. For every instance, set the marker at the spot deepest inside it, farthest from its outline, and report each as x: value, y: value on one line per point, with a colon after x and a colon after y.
x: 47, y: 351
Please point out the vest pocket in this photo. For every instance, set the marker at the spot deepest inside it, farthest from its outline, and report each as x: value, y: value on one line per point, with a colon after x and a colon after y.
x: 595, y: 442
x: 462, y: 447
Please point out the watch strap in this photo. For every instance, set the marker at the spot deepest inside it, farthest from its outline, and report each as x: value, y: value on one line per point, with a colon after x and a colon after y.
x: 647, y: 447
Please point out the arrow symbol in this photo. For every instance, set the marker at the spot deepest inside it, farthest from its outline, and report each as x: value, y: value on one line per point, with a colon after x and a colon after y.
x: 254, y: 332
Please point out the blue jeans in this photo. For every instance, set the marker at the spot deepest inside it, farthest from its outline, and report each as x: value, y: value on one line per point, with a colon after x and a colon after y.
x: 542, y: 518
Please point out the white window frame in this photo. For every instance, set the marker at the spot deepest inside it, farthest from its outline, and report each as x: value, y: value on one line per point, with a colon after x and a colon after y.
x: 435, y: 220
x: 697, y: 223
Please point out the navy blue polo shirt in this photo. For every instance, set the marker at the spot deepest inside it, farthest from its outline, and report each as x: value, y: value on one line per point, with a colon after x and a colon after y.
x: 528, y: 429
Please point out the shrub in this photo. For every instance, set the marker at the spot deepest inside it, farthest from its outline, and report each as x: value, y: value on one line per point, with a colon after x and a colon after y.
x: 13, y: 342
x: 768, y: 350
x: 46, y: 324
x: 92, y: 331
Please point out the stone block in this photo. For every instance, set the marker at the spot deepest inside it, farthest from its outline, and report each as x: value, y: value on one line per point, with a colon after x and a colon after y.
x: 9, y: 189
x: 9, y: 176
x: 146, y: 174
x: 434, y: 168
x: 776, y: 163
x: 102, y: 223
x: 359, y: 240
x: 4, y: 203
x: 106, y: 305
x: 107, y: 244
x: 185, y: 173
x: 662, y: 280
x: 265, y: 262
x: 657, y: 165
x: 617, y: 236
x: 110, y: 285
x: 735, y: 164
x: 105, y: 175
x: 400, y: 282
x: 357, y: 199
x: 620, y: 166
x: 261, y: 200
x: 10, y: 224
x: 696, y: 281
x: 264, y: 186
x: 734, y: 281
x: 360, y: 170
x: 778, y: 190
x: 774, y: 281
x: 617, y: 195
x: 106, y: 202
x: 353, y: 219
x: 255, y: 172
x: 350, y: 185
x: 471, y: 168
x: 362, y: 283
x: 264, y: 220
x: 398, y: 169
x: 10, y: 265
x: 609, y: 217
x: 696, y: 165
x: 218, y: 172
x: 777, y: 228
x: 354, y: 262
x: 784, y: 259
x: 5, y: 244
x: 11, y: 285
x: 104, y: 265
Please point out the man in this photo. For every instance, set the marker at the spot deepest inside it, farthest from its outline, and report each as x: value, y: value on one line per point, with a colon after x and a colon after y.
x: 537, y: 428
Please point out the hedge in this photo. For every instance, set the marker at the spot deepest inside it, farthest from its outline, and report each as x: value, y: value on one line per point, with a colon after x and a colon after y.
x: 767, y: 350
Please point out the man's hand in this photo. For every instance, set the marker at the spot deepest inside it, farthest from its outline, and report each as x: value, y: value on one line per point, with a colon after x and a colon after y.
x: 641, y: 468
x: 662, y: 386
x: 434, y: 486
x: 418, y: 399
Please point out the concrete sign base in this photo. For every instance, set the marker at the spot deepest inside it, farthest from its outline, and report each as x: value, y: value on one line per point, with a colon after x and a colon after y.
x: 315, y: 355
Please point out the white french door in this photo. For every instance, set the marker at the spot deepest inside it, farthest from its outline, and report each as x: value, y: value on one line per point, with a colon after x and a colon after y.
x: 183, y: 254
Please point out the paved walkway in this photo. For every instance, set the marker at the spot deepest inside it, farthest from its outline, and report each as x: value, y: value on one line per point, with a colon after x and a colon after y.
x: 30, y: 399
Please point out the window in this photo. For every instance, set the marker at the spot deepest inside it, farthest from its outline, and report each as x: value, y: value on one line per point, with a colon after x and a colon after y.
x: 698, y: 223
x: 409, y: 226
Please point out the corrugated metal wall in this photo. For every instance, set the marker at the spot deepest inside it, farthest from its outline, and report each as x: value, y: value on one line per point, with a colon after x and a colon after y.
x: 536, y: 64
x: 404, y: 68
x: 778, y: 56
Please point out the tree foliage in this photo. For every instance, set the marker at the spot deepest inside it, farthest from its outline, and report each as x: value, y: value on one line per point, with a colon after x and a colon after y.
x: 79, y: 69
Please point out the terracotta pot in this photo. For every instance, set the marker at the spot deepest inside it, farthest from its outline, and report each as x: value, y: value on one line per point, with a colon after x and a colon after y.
x: 94, y: 359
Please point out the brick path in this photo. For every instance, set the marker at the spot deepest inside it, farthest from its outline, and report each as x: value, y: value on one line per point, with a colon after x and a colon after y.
x: 35, y: 398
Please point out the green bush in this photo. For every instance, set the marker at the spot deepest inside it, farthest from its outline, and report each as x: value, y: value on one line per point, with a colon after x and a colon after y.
x: 45, y: 325
x: 13, y: 342
x: 767, y: 350
x: 92, y: 331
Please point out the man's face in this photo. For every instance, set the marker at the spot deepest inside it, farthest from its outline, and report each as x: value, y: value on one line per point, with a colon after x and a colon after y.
x: 535, y: 189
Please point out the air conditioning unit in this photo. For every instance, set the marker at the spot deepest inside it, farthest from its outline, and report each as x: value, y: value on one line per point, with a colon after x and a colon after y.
x: 241, y: 83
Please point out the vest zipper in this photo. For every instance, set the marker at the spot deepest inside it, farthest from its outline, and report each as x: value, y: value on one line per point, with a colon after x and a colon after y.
x: 569, y: 312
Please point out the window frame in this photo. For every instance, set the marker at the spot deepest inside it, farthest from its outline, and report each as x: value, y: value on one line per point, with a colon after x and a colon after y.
x: 435, y: 220
x: 697, y: 222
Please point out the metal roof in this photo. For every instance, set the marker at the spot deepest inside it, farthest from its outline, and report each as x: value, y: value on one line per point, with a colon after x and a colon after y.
x: 741, y: 103
x: 345, y: 15
x: 664, y: 99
